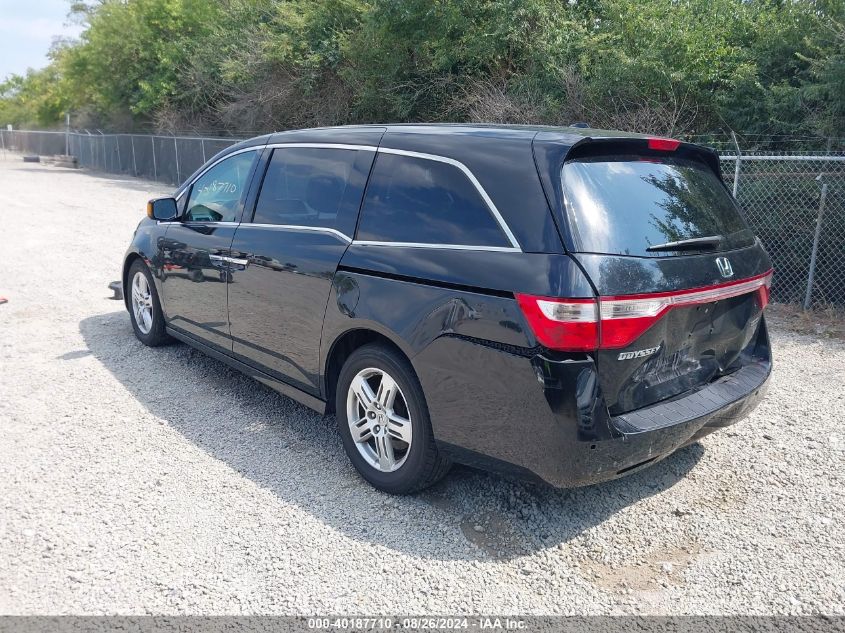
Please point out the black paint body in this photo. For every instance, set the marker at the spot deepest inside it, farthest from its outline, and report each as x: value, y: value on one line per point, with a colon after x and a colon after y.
x: 497, y: 399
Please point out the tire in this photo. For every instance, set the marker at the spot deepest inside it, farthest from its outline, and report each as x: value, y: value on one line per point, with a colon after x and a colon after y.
x: 150, y: 333
x: 417, y: 463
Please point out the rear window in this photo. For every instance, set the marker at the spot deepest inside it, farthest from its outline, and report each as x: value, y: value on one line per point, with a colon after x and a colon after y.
x: 621, y: 205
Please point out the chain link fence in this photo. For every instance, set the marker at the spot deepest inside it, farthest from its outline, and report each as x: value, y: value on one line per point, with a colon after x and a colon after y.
x: 168, y: 159
x: 794, y: 202
x: 796, y: 205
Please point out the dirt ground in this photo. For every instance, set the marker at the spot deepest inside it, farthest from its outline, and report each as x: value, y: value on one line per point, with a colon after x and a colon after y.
x: 137, y: 480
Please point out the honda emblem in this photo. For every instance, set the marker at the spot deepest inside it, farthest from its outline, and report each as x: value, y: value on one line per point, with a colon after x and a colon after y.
x: 725, y: 268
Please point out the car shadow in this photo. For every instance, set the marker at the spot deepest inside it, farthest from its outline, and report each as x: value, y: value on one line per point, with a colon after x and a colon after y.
x: 290, y: 450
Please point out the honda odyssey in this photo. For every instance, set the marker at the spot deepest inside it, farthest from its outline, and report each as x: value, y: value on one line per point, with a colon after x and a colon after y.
x: 566, y: 305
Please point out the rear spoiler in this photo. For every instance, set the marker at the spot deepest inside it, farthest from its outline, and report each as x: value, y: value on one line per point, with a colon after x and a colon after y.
x: 646, y: 146
x: 552, y: 149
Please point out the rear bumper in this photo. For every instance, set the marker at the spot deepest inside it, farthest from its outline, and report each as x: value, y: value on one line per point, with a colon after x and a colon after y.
x: 559, y: 431
x: 634, y: 441
x: 654, y: 432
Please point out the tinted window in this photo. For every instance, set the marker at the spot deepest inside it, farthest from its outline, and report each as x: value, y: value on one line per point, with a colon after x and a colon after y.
x: 309, y: 186
x: 623, y: 205
x: 216, y: 195
x: 425, y: 201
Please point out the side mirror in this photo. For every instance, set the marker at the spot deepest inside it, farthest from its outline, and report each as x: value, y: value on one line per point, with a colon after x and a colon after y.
x: 162, y: 209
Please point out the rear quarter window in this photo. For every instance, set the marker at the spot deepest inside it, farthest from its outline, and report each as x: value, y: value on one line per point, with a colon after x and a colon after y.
x: 621, y: 205
x: 424, y: 201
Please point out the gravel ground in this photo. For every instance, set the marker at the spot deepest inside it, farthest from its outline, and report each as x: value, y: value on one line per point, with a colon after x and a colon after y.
x: 136, y: 480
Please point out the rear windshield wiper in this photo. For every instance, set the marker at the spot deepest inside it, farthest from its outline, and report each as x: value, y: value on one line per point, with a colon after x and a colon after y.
x: 692, y: 244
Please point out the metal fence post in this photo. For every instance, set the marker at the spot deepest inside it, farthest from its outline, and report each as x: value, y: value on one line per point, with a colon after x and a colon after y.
x: 202, y: 145
x: 176, y: 151
x: 736, y: 164
x: 117, y: 145
x: 155, y: 169
x: 134, y: 163
x: 808, y: 297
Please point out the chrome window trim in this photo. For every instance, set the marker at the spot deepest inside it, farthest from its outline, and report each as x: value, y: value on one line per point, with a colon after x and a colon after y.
x: 296, y: 227
x: 215, y: 223
x: 454, y: 247
x: 345, y: 238
x: 491, y: 206
x: 363, y: 148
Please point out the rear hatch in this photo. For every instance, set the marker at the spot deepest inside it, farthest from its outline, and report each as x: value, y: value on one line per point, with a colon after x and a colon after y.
x: 681, y: 279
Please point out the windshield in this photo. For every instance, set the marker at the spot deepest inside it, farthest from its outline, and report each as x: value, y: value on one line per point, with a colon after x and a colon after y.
x: 622, y: 205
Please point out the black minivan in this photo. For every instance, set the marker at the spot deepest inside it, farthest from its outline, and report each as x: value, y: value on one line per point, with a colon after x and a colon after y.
x: 563, y: 304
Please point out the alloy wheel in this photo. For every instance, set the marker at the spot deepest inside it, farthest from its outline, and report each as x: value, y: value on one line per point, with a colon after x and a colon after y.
x: 379, y: 419
x: 142, y: 302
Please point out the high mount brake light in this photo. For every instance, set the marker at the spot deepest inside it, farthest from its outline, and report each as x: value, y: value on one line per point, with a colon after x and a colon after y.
x: 579, y: 325
x: 663, y: 144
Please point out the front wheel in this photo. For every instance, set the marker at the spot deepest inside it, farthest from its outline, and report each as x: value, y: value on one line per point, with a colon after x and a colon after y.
x: 383, y: 422
x: 144, y: 306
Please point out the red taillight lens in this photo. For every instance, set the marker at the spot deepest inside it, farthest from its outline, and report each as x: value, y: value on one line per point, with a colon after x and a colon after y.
x: 663, y: 144
x: 765, y: 291
x: 578, y: 325
x: 563, y: 324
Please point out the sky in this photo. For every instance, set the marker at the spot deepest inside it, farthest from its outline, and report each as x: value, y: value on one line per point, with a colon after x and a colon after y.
x: 27, y: 28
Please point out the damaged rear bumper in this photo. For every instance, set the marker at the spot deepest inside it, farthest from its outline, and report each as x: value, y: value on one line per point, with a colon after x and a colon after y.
x: 656, y: 431
x: 644, y: 437
x: 548, y: 422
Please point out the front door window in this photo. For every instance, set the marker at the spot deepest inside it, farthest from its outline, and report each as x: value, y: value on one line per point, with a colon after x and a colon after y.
x: 216, y: 196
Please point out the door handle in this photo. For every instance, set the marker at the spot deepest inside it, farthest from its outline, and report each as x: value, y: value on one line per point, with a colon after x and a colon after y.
x: 229, y: 260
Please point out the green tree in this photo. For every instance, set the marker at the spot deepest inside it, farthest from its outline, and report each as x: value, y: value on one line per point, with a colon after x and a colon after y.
x: 824, y: 91
x: 131, y: 55
x: 34, y: 99
x: 664, y: 66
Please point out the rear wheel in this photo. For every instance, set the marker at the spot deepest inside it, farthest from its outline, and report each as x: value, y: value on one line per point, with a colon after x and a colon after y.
x: 383, y: 421
x: 144, y: 307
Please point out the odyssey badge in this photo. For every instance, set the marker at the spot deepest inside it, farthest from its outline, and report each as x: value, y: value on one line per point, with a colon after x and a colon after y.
x: 640, y: 353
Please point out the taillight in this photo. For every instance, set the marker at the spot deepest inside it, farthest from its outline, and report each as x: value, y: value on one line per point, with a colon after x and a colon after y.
x: 564, y: 324
x: 765, y: 291
x: 579, y: 325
